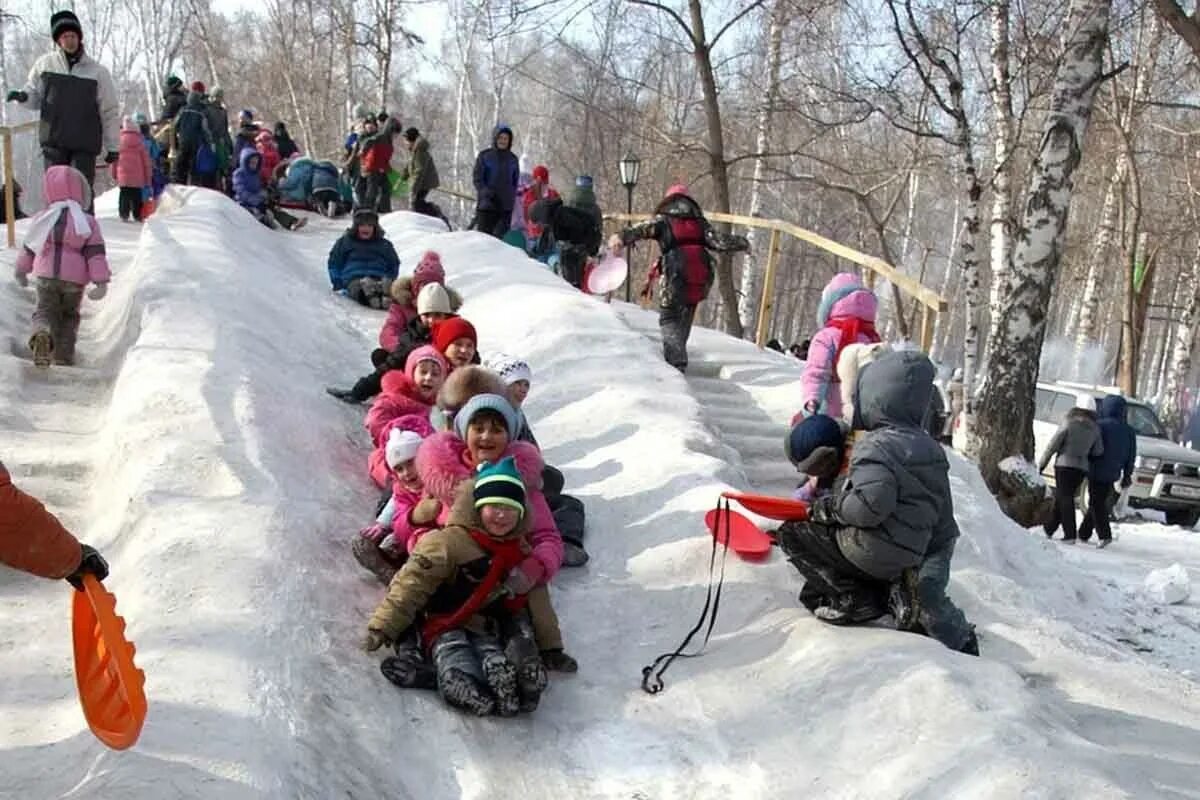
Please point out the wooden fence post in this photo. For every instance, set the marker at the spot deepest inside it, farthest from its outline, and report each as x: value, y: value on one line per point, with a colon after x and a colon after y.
x: 9, y: 188
x: 767, y: 303
x: 927, y: 319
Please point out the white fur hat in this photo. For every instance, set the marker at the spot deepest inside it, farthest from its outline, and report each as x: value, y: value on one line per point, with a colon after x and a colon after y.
x: 850, y: 362
x: 433, y: 299
x: 401, y: 446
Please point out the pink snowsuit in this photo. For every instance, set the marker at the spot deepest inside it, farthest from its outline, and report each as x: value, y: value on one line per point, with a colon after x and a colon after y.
x: 67, y: 254
x: 405, y: 533
x: 443, y: 463
x: 847, y: 311
x: 133, y: 169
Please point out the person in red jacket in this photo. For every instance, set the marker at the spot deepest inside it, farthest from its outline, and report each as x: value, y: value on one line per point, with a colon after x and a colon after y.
x: 377, y: 149
x: 34, y: 541
x: 540, y: 189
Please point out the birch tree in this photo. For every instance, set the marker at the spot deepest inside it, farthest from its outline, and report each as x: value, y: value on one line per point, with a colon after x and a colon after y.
x: 1002, y: 152
x: 1004, y: 412
x: 754, y: 266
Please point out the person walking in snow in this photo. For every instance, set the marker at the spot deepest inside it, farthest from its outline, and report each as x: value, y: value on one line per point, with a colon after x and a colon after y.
x: 363, y: 263
x: 881, y: 539
x: 496, y: 176
x: 422, y: 176
x: 133, y: 171
x: 1115, y: 464
x: 64, y: 250
x: 1076, y: 443
x: 685, y: 268
x: 34, y: 541
x: 846, y: 316
x: 572, y: 230
x: 75, y: 95
x: 191, y: 134
x: 375, y: 150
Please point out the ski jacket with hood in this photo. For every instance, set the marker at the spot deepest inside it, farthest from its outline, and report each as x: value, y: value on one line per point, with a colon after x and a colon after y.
x: 1076, y: 443
x: 77, y: 100
x: 1118, y: 440
x: 444, y: 464
x: 496, y: 176
x: 846, y: 316
x: 895, y: 504
x: 247, y: 181
x: 68, y: 253
x: 191, y: 125
x: 31, y: 538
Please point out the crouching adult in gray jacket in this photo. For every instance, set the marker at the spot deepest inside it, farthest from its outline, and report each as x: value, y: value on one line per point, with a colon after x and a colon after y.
x: 883, y: 542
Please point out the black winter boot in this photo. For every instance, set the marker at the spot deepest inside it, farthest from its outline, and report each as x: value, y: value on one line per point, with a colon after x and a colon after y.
x: 369, y: 556
x: 904, y: 601
x: 501, y: 678
x: 557, y: 660
x: 461, y: 691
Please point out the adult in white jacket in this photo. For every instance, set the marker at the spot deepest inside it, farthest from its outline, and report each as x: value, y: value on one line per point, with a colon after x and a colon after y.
x: 77, y: 100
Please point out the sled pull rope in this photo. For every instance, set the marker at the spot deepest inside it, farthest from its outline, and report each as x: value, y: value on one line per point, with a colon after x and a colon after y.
x: 652, y: 674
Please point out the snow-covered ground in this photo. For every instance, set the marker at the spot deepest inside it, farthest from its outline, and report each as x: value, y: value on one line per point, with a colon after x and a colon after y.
x: 194, y: 445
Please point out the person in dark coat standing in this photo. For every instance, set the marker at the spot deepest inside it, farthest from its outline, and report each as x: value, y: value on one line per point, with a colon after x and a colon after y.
x: 1116, y: 463
x: 1073, y: 447
x: 422, y: 175
x: 191, y: 133
x: 285, y: 143
x: 77, y: 101
x: 685, y: 269
x: 218, y: 126
x: 496, y: 176
x: 174, y: 99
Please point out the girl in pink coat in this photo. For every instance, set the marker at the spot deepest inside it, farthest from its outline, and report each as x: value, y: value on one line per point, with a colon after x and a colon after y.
x: 846, y: 316
x: 64, y: 250
x: 265, y: 144
x: 411, y: 393
x: 132, y: 171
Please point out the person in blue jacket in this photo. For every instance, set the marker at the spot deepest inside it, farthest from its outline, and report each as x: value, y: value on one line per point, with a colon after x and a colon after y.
x: 497, y: 173
x: 1116, y: 463
x: 363, y: 263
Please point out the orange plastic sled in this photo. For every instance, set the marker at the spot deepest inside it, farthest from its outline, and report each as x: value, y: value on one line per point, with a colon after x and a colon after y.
x: 111, y: 688
x: 745, y: 538
x: 784, y: 509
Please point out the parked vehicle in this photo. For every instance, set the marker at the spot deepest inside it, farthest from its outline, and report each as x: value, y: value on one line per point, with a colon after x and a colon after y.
x: 1166, y: 475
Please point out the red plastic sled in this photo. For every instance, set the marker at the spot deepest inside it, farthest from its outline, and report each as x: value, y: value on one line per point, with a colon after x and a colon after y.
x: 111, y: 688
x: 784, y: 509
x: 745, y: 538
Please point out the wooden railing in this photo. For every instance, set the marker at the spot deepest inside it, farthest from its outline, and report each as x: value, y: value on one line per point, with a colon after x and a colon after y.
x: 931, y: 302
x: 10, y: 195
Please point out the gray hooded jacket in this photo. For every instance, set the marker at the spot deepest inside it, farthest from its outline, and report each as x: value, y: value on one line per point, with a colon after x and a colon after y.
x: 1076, y: 443
x: 896, y: 502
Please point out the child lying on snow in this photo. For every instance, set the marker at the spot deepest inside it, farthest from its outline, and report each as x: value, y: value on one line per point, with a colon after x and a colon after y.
x: 883, y: 541
x: 477, y: 629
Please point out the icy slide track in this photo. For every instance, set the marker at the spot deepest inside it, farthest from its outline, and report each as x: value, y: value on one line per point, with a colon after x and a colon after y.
x: 194, y: 445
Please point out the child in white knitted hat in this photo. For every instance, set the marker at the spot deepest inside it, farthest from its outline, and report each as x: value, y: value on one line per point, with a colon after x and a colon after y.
x: 517, y: 376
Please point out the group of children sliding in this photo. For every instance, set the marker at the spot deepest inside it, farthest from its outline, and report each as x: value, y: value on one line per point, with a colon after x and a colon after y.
x: 475, y: 525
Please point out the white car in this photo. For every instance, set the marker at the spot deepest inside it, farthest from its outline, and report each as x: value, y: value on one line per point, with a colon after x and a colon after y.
x: 1166, y: 476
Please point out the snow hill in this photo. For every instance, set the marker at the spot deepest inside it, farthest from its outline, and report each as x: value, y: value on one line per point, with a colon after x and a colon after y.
x: 195, y: 446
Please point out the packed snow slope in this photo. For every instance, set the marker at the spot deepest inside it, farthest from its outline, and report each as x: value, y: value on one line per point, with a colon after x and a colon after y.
x: 195, y: 446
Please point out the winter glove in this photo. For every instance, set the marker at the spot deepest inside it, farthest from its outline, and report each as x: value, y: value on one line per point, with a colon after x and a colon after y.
x: 518, y: 582
x: 1126, y: 482
x: 21, y: 278
x: 17, y: 96
x: 425, y: 512
x: 98, y: 291
x: 823, y: 511
x: 110, y: 157
x: 373, y: 641
x: 91, y: 563
x: 375, y: 532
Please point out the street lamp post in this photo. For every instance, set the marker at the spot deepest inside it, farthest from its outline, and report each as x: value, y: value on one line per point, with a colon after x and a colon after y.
x: 629, y: 166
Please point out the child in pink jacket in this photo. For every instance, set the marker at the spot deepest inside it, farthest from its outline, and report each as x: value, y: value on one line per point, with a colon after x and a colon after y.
x: 846, y: 316
x: 64, y: 250
x: 132, y: 171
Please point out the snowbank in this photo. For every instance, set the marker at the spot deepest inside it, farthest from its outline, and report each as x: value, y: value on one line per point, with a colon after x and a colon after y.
x: 1169, y: 586
x: 196, y: 448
